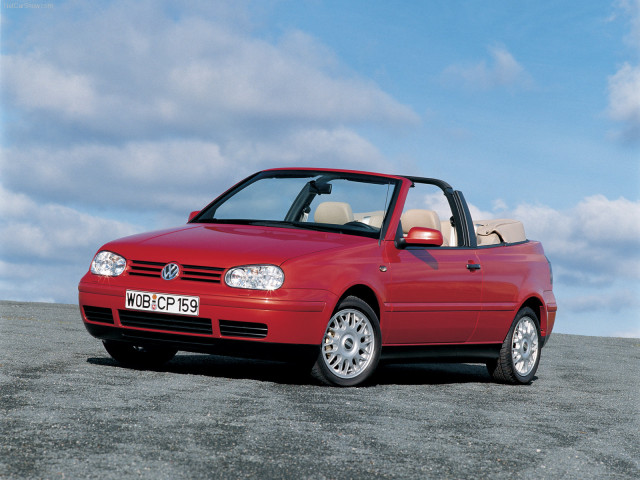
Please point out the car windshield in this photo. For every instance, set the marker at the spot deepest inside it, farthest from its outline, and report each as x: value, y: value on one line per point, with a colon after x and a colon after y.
x: 331, y: 201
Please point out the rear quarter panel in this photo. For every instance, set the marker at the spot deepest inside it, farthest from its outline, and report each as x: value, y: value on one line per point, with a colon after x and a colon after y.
x: 512, y: 275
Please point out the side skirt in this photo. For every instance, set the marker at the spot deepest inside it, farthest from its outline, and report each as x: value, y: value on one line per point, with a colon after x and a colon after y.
x: 440, y: 353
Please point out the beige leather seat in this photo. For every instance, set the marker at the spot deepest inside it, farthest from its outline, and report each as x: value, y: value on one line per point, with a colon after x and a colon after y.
x: 419, y: 218
x: 336, y: 213
x: 448, y: 234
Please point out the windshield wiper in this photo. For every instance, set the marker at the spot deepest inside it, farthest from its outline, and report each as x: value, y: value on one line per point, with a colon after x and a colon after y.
x: 235, y: 221
x: 264, y: 223
x: 318, y: 227
x: 287, y: 224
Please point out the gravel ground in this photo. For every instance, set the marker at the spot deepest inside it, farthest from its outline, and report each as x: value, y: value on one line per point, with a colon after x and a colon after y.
x: 68, y: 411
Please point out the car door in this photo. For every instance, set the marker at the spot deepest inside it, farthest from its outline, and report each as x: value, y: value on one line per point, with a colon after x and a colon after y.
x: 433, y: 295
x: 504, y: 270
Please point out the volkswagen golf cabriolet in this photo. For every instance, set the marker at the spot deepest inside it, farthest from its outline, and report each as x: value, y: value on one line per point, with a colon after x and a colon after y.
x: 333, y: 269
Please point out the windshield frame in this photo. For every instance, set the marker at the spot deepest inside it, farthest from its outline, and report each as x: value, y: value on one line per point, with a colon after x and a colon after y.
x: 327, y: 175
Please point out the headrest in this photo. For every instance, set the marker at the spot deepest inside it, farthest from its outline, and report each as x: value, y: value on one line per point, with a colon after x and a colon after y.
x: 419, y: 218
x: 337, y: 213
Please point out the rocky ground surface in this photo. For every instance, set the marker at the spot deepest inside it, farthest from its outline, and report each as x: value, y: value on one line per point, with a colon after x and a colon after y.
x: 68, y: 411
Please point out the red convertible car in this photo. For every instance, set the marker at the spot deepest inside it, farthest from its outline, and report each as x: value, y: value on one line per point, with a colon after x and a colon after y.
x: 336, y: 268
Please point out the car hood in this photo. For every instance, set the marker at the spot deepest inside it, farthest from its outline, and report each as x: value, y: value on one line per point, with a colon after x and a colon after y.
x: 229, y: 245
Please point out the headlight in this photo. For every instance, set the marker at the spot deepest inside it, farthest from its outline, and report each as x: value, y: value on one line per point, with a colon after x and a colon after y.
x: 256, y: 277
x: 108, y: 264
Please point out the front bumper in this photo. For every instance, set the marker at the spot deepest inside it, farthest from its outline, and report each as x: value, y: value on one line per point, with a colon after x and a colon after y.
x: 213, y: 346
x: 226, y: 321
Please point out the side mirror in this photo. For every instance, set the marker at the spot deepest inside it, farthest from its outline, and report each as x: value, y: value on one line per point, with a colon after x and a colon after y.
x: 419, y: 236
x: 192, y: 215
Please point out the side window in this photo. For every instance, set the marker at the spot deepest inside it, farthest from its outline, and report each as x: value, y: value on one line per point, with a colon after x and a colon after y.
x: 427, y: 206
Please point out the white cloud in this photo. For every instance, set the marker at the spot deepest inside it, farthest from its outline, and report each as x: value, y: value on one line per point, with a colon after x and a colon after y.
x: 624, y: 100
x: 45, y: 248
x: 52, y: 233
x: 337, y: 147
x: 118, y: 73
x: 36, y: 84
x: 172, y: 176
x: 631, y: 9
x: 503, y: 71
x: 624, y: 85
x: 248, y: 77
x: 614, y: 302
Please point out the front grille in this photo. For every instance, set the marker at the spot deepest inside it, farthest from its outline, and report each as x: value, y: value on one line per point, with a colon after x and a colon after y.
x: 98, y: 314
x: 146, y: 269
x: 190, y: 273
x: 195, y: 273
x: 229, y: 328
x: 167, y: 322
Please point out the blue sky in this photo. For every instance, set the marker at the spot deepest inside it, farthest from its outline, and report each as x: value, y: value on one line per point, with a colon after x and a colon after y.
x: 120, y: 117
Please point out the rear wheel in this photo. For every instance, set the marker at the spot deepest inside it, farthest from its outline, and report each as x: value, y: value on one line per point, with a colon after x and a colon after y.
x: 140, y: 356
x: 350, y: 348
x: 520, y: 353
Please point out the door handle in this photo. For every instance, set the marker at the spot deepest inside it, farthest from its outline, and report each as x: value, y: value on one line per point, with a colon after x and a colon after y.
x: 473, y: 266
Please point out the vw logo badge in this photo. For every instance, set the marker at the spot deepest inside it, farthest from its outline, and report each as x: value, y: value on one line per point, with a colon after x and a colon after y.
x: 170, y: 271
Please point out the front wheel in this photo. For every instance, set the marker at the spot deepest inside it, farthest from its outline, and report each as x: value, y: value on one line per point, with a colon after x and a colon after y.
x: 520, y: 352
x: 351, y: 345
x: 138, y: 356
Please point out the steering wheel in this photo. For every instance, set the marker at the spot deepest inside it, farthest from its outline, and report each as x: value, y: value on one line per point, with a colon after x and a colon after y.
x: 363, y: 226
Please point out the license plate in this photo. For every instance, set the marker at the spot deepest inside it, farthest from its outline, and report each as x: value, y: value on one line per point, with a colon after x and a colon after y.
x: 162, y: 302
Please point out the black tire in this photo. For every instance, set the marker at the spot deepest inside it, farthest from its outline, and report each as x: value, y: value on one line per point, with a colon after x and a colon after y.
x: 520, y: 352
x: 350, y: 349
x: 138, y: 356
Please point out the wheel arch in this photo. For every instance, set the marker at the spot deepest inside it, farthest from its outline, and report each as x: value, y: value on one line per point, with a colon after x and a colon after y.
x: 364, y: 293
x: 537, y: 305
